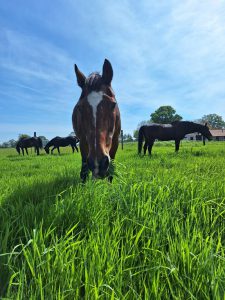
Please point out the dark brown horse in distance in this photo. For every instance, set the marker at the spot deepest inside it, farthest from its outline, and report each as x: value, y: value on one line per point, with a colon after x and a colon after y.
x: 96, y: 122
x: 58, y: 141
x: 165, y: 132
x: 29, y: 142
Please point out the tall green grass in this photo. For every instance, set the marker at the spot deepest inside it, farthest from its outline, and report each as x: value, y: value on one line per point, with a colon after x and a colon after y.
x: 156, y: 232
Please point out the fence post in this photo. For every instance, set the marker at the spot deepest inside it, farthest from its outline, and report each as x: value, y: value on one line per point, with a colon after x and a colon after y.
x: 35, y: 135
x: 121, y: 133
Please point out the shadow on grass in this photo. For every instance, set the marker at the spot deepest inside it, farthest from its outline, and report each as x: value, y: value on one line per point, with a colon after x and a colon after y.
x: 27, y: 208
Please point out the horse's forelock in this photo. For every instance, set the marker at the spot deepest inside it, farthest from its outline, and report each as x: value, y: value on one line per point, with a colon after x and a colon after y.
x: 93, y: 81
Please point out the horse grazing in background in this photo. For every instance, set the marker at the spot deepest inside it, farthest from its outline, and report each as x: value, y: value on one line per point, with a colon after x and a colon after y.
x: 58, y: 141
x: 96, y: 122
x: 165, y: 132
x: 29, y: 142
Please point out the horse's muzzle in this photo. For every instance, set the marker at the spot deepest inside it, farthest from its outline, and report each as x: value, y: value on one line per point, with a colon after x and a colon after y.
x: 99, y: 168
x: 104, y: 166
x: 46, y: 150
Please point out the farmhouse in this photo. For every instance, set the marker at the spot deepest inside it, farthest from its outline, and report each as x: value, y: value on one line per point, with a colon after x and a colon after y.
x: 218, y: 135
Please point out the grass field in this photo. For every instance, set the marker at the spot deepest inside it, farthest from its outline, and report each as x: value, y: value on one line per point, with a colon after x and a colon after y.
x: 156, y: 232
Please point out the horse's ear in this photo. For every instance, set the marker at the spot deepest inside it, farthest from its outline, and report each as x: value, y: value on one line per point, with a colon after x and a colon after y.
x: 107, y: 72
x: 80, y: 77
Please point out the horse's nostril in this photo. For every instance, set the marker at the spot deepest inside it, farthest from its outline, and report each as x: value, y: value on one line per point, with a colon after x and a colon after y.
x: 104, y: 163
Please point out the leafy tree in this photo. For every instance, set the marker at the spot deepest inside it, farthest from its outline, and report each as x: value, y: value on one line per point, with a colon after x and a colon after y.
x: 165, y: 114
x: 5, y: 145
x: 12, y: 143
x: 72, y: 133
x: 23, y: 135
x: 214, y: 121
x: 135, y: 134
x: 44, y: 140
x: 127, y: 138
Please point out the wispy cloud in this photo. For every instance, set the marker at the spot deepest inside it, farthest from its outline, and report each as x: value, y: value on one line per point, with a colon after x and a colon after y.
x: 163, y: 53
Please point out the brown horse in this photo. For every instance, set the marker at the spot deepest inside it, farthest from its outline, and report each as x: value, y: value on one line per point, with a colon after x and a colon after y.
x: 165, y: 132
x: 96, y: 122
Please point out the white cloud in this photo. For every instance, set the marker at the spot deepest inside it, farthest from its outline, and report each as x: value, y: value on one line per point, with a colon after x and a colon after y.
x: 162, y: 53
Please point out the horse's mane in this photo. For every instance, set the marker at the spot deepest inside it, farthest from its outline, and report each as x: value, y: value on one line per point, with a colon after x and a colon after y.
x: 93, y: 81
x: 174, y: 123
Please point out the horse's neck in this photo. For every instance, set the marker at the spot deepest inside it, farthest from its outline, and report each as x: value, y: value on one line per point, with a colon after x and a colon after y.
x: 193, y: 128
x: 72, y: 141
x: 49, y: 144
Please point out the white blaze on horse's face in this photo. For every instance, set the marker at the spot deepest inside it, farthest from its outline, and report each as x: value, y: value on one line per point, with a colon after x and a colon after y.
x: 94, y: 98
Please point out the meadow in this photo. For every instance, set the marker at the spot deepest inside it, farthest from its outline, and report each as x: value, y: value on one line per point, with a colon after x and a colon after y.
x: 156, y: 232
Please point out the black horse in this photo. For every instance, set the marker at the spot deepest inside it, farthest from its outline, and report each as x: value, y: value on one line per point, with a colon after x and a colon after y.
x: 58, y: 141
x: 165, y: 132
x: 29, y: 142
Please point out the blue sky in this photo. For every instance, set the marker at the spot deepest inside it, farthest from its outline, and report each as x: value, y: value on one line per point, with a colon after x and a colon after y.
x: 162, y: 53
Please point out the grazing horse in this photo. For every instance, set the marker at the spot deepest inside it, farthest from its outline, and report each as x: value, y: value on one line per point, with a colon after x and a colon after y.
x: 165, y: 132
x: 96, y: 122
x: 29, y: 142
x: 58, y: 141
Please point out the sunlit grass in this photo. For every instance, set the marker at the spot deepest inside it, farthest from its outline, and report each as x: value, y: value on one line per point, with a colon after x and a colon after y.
x: 156, y: 232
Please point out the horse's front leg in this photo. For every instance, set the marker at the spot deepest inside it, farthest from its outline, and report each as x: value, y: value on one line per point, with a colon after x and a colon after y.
x: 177, y: 145
x: 37, y: 149
x: 22, y: 151
x: 52, y: 150
x: 84, y: 167
x: 72, y: 148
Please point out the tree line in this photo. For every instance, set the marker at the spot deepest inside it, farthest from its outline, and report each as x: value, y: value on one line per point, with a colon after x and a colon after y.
x: 12, y: 143
x: 163, y: 115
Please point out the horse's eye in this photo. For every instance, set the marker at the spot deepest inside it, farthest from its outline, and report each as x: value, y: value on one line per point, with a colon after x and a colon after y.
x: 113, y: 105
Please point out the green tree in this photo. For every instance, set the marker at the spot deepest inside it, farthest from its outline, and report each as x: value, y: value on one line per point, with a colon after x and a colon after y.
x: 72, y: 133
x: 12, y: 143
x: 44, y: 140
x: 127, y: 137
x: 214, y: 121
x: 135, y: 134
x: 165, y: 114
x: 23, y: 135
